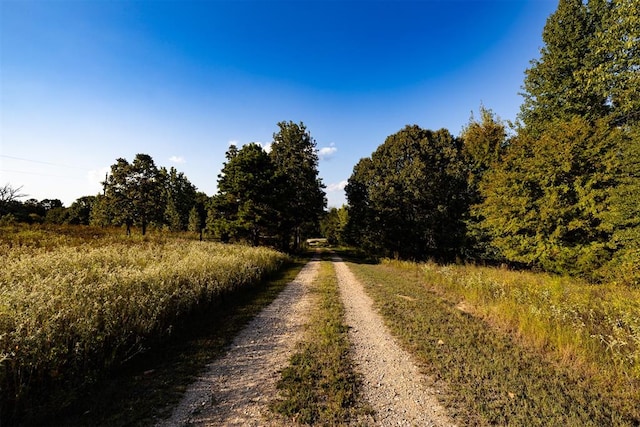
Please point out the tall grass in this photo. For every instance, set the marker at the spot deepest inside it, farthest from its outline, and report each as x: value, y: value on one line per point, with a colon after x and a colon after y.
x: 70, y: 312
x: 491, y: 372
x: 596, y: 325
x: 594, y: 329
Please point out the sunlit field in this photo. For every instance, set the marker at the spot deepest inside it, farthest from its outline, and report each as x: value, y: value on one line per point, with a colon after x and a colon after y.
x: 74, y: 304
x: 518, y: 348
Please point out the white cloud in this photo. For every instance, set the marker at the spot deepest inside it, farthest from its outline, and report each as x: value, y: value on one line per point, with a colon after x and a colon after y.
x: 336, y: 187
x: 97, y: 176
x: 266, y: 147
x: 177, y: 159
x: 234, y: 142
x: 326, y: 153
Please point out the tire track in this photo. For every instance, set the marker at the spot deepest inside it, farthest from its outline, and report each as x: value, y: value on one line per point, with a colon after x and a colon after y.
x: 238, y: 387
x: 392, y: 383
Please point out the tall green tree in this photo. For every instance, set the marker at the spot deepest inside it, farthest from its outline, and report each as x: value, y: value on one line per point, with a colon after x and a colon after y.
x: 616, y: 70
x: 554, y: 87
x: 582, y: 92
x: 625, y: 212
x: 546, y: 203
x: 134, y: 192
x: 180, y: 196
x: 198, y: 213
x: 244, y: 207
x: 101, y: 212
x: 300, y: 191
x: 484, y: 142
x: 362, y: 228
x: 80, y: 211
x: 333, y: 224
x: 408, y: 200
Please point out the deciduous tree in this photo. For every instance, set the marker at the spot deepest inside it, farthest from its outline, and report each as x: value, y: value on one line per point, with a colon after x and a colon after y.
x: 553, y: 86
x: 134, y: 192
x: 484, y: 142
x: 409, y: 198
x: 180, y: 197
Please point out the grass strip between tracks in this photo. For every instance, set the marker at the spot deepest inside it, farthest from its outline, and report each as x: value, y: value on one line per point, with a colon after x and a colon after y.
x: 320, y: 386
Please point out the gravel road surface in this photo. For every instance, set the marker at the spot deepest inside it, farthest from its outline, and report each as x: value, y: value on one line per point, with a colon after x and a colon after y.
x: 238, y: 387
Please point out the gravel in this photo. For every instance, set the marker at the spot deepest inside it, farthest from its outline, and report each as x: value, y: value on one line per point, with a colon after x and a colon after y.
x: 392, y: 384
x: 238, y: 387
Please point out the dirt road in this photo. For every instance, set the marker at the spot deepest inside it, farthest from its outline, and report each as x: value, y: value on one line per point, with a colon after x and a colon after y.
x: 238, y: 387
x: 393, y: 385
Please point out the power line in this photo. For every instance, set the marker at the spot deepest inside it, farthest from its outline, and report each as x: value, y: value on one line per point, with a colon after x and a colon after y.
x: 38, y: 174
x: 42, y: 162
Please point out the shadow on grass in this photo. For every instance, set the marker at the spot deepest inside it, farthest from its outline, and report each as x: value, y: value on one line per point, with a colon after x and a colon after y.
x: 147, y: 388
x: 355, y: 255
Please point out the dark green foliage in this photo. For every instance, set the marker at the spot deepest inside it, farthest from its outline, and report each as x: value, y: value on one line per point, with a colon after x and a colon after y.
x: 245, y: 207
x: 101, y: 212
x: 408, y: 200
x: 140, y: 193
x: 564, y: 198
x: 80, y: 211
x: 300, y: 191
x: 615, y: 71
x: 31, y: 211
x: 134, y: 192
x: 333, y: 224
x: 484, y: 143
x: 625, y: 213
x: 180, y: 197
x: 276, y: 197
x: 588, y: 66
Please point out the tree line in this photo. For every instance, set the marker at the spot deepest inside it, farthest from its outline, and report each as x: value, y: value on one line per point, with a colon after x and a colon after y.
x: 557, y: 191
x: 274, y: 198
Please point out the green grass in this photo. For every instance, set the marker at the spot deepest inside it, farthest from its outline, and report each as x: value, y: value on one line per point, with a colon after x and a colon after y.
x: 147, y: 389
x: 490, y: 373
x: 320, y: 387
x: 73, y: 307
x: 595, y: 326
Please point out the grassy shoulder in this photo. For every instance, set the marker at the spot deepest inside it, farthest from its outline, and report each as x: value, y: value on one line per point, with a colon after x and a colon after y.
x: 147, y: 388
x: 492, y: 377
x: 319, y: 386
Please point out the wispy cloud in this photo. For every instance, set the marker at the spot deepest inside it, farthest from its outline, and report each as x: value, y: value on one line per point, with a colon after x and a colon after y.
x: 325, y: 153
x: 177, y: 159
x: 97, y: 176
x: 336, y: 187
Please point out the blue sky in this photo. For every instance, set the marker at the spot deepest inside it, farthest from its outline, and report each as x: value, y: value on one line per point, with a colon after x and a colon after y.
x: 83, y: 83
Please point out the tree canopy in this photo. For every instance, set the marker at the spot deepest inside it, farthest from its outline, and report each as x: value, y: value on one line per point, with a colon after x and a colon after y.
x: 245, y: 206
x: 545, y: 203
x: 274, y: 197
x: 300, y: 191
x: 409, y: 198
x: 553, y: 86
